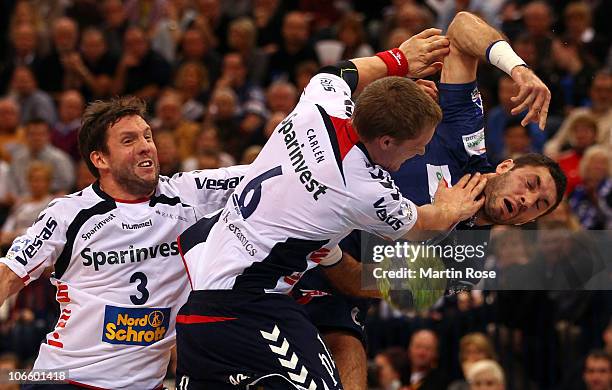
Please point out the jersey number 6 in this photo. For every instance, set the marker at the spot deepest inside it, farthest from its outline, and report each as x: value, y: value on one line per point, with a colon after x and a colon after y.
x: 255, y: 186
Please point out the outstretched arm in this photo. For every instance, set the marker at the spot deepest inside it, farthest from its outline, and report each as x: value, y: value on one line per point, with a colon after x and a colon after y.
x: 471, y: 39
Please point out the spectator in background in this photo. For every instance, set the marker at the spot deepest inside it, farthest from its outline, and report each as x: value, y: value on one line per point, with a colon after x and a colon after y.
x: 396, y: 37
x: 234, y: 76
x: 191, y: 82
x: 223, y: 114
x: 591, y: 201
x: 562, y: 215
x: 64, y: 133
x: 281, y: 96
x: 33, y: 102
x: 293, y: 50
x: 26, y: 13
x: 211, y: 17
x: 304, y: 72
x: 208, y: 144
x: 207, y: 160
x: 114, y: 26
x: 392, y: 369
x: 9, y: 362
x: 242, y: 38
x: 167, y: 153
x: 597, y: 372
x: 6, y: 198
x: 607, y: 338
x: 273, y: 120
x: 486, y: 375
x: 145, y: 13
x: 168, y: 118
x: 23, y: 51
x: 11, y: 134
x: 573, y: 73
x: 538, y: 18
x: 28, y: 207
x: 350, y: 41
x: 601, y: 109
x: 268, y: 18
x: 38, y: 147
x: 55, y: 74
x: 408, y: 16
x: 473, y: 347
x: 578, y: 18
x: 196, y: 47
x: 517, y: 140
x: 423, y: 359
x: 83, y: 175
x: 176, y: 17
x: 141, y: 71
x: 583, y: 134
x: 498, y: 118
x: 95, y: 65
x: 250, y: 154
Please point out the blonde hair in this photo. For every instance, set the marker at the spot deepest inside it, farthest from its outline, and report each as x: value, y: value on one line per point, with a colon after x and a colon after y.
x: 594, y: 151
x: 39, y: 166
x: 480, y: 341
x: 486, y: 366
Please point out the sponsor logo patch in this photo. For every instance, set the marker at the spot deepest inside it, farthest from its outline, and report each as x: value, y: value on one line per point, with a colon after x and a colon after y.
x: 474, y: 143
x: 135, y: 326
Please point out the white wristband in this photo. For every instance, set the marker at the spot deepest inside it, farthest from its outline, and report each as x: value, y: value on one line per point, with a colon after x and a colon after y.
x: 501, y: 55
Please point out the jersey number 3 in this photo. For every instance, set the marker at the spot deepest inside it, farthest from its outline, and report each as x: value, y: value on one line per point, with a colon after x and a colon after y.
x: 141, y: 287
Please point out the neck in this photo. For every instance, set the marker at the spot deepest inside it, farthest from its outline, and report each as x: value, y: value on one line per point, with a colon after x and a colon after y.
x: 116, y: 191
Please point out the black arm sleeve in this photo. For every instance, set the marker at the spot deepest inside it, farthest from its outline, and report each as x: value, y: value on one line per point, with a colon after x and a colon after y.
x: 346, y: 70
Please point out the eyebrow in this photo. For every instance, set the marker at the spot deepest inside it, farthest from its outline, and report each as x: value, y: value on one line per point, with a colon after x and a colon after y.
x: 133, y: 131
x: 539, y: 184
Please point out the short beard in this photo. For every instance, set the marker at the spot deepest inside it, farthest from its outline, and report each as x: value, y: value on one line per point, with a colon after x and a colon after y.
x: 492, y: 188
x: 135, y: 185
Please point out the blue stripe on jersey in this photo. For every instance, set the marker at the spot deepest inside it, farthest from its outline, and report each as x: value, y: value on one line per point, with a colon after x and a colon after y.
x: 197, y: 233
x: 284, y: 259
x: 333, y: 137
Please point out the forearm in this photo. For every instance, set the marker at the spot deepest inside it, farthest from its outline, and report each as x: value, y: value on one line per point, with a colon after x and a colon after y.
x: 346, y: 278
x: 10, y: 283
x: 430, y: 222
x: 369, y: 69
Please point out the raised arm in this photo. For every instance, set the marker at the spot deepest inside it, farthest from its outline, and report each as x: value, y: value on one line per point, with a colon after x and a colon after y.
x: 10, y: 283
x: 471, y: 38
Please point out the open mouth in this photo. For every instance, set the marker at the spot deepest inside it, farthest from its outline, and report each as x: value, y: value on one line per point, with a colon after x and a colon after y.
x: 145, y: 164
x: 509, y: 206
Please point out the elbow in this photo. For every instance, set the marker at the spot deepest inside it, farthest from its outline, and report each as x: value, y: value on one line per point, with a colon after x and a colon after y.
x: 460, y: 24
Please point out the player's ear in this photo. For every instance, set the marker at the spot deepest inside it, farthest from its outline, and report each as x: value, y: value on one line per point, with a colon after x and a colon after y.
x: 384, y: 142
x: 504, y: 166
x: 98, y: 159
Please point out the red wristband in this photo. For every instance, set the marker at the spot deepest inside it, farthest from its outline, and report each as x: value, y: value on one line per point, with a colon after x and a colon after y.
x: 397, y: 64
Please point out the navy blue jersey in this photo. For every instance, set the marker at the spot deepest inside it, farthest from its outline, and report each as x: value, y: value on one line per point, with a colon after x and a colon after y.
x: 457, y: 148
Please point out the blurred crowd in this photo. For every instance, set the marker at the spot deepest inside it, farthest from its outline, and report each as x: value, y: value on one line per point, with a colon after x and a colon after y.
x: 218, y: 76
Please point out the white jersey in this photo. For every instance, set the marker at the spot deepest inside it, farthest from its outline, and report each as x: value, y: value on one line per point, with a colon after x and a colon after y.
x: 310, y: 186
x: 119, y: 276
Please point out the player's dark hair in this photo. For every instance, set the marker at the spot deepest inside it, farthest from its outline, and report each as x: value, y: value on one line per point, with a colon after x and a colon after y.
x: 98, y: 117
x: 540, y: 160
x: 394, y: 106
